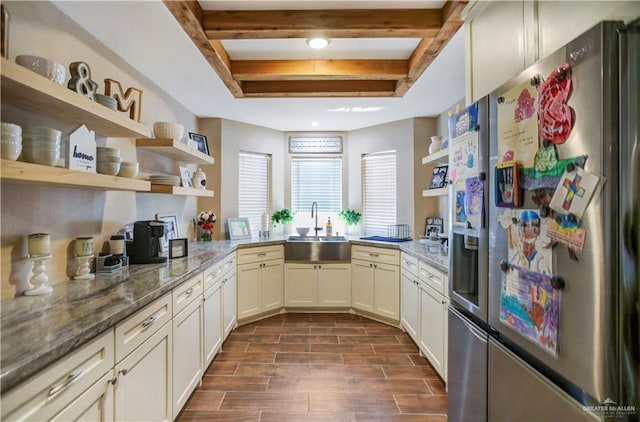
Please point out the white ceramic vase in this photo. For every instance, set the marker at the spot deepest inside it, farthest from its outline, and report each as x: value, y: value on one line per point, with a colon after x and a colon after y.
x: 436, y: 143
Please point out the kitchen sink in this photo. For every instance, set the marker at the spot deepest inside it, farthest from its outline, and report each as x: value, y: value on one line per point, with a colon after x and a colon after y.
x: 317, y: 249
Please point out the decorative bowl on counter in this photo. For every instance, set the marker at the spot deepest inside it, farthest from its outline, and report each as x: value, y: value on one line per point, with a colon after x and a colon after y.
x: 168, y: 130
x: 303, y: 231
x: 45, y: 67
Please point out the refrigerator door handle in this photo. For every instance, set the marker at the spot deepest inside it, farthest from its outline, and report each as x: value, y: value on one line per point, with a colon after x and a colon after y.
x: 631, y: 222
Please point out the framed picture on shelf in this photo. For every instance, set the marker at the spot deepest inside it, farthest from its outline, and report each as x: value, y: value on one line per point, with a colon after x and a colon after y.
x: 170, y: 229
x: 185, y: 177
x: 201, y: 140
x: 239, y: 228
x: 439, y: 177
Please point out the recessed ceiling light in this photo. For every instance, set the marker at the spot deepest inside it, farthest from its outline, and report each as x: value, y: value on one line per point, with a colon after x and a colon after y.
x: 317, y: 43
x: 314, y: 123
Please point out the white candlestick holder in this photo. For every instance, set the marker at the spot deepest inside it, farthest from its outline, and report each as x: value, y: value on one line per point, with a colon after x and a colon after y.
x: 38, y: 283
x: 83, y: 272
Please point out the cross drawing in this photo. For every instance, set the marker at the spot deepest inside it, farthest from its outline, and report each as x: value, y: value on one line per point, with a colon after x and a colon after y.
x: 573, y: 189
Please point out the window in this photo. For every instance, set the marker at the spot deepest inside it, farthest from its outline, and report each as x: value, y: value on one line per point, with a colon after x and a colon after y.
x: 254, y: 187
x: 319, y: 180
x: 378, y: 192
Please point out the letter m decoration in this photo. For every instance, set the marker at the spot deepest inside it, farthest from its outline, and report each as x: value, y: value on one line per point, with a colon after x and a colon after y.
x: 130, y: 101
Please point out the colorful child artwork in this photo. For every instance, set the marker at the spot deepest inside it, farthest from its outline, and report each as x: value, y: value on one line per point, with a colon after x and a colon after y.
x: 574, y: 192
x: 533, y: 178
x: 474, y: 202
x: 460, y: 214
x: 529, y: 243
x: 463, y: 121
x: 556, y: 117
x: 573, y: 237
x: 518, y: 125
x: 531, y: 306
x: 507, y: 189
x: 463, y: 157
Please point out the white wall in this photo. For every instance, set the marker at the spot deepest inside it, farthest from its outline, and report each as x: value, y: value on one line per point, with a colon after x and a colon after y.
x: 396, y: 135
x: 38, y: 28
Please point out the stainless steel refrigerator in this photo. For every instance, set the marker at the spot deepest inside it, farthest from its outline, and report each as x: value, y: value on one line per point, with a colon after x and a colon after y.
x: 577, y: 357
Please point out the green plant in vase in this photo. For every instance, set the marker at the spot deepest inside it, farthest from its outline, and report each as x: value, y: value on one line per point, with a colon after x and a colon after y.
x: 351, y: 219
x: 283, y: 216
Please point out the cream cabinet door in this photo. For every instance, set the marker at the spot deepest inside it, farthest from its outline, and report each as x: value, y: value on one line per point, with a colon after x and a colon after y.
x: 410, y: 306
x: 272, y: 285
x: 434, y: 322
x: 387, y: 291
x: 229, y: 281
x: 334, y: 285
x: 249, y: 289
x: 212, y: 322
x: 362, y: 285
x: 300, y: 285
x: 187, y: 353
x: 95, y: 404
x: 144, y: 386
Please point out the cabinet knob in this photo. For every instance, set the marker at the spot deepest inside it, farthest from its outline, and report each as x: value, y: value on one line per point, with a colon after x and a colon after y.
x: 113, y: 381
x: 123, y: 371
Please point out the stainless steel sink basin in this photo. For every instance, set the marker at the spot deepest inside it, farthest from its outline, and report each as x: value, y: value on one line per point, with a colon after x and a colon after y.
x: 317, y: 249
x: 317, y: 239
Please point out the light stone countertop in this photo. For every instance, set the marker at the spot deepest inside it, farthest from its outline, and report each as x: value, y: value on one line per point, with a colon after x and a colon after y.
x: 38, y: 330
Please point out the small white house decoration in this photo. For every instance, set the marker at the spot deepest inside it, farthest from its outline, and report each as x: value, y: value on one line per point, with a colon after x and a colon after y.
x: 81, y: 150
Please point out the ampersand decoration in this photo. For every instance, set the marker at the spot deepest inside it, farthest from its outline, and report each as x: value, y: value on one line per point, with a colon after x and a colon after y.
x: 131, y: 100
x: 81, y: 80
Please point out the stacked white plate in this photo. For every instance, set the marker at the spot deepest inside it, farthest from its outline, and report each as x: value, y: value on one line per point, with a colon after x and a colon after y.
x: 165, y: 180
x: 11, y: 141
x: 109, y: 160
x: 106, y: 101
x: 41, y: 145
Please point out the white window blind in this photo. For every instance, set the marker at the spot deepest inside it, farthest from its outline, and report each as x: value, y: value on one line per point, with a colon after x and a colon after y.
x: 254, y: 187
x: 319, y: 180
x: 378, y: 192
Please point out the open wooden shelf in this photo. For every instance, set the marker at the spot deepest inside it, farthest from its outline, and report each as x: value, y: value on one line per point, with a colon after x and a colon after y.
x: 435, y: 192
x: 176, y: 150
x: 440, y: 157
x: 179, y: 190
x: 18, y: 171
x: 28, y: 90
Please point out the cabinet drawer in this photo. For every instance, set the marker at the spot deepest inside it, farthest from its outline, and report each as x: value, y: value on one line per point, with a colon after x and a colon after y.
x: 433, y: 278
x: 261, y: 253
x: 186, y: 293
x: 44, y: 395
x: 378, y: 255
x: 213, y: 274
x: 409, y: 264
x: 134, y: 330
x: 229, y: 264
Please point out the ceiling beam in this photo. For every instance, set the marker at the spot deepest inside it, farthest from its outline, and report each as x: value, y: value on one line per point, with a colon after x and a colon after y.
x: 265, y: 24
x: 276, y: 70
x: 358, y: 88
x: 189, y: 16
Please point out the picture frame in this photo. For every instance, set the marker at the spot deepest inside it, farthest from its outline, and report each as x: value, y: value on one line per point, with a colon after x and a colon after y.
x: 439, y: 177
x: 171, y: 230
x: 178, y: 248
x: 201, y: 140
x: 239, y: 228
x: 434, y: 225
x: 185, y: 177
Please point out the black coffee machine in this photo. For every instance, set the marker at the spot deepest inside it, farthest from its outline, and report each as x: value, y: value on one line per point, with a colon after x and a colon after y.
x: 147, y: 238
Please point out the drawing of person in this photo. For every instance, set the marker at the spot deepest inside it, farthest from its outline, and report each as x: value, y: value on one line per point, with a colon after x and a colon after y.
x: 527, y: 249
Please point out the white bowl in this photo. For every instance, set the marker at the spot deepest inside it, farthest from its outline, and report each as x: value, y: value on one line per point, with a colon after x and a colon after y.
x: 168, y: 130
x: 45, y: 67
x: 11, y: 150
x: 10, y: 132
x: 111, y: 169
x: 302, y: 231
x: 102, y: 159
x: 41, y: 131
x: 45, y: 156
x: 128, y: 169
x: 107, y: 152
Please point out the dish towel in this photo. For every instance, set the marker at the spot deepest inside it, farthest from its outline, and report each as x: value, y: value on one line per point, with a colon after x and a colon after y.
x: 386, y: 239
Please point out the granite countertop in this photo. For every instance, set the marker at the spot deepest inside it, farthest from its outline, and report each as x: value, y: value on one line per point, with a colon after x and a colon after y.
x: 38, y: 330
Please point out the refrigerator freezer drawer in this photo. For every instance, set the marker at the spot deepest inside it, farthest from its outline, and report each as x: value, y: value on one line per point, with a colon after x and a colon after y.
x: 467, y: 371
x: 519, y: 393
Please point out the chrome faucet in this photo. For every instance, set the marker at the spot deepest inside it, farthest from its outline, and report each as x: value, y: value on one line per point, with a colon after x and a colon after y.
x: 315, y: 228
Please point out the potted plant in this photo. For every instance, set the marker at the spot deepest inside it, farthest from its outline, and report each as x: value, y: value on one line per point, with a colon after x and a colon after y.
x: 284, y: 217
x: 351, y: 219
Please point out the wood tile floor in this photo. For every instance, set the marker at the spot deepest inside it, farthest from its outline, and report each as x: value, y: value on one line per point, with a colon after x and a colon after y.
x: 318, y: 367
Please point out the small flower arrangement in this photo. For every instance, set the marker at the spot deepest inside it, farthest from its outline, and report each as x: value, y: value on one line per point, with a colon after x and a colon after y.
x: 284, y: 216
x: 206, y: 219
x: 350, y: 217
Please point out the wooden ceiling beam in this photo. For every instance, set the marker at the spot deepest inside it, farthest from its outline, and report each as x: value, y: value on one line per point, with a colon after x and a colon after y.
x: 273, y: 24
x: 274, y: 70
x: 189, y: 16
x: 359, y: 88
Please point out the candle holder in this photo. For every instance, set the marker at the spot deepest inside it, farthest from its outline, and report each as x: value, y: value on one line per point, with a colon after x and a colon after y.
x: 83, y: 272
x: 38, y: 283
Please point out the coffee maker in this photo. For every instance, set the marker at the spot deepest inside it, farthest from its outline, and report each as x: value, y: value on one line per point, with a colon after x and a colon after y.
x: 147, y: 238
